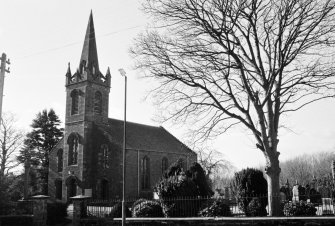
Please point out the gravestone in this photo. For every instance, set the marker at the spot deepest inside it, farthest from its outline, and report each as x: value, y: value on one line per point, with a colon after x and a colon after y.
x: 327, y: 206
x: 295, y: 193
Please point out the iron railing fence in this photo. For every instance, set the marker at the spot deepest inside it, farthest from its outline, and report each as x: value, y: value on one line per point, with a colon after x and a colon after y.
x: 191, y: 206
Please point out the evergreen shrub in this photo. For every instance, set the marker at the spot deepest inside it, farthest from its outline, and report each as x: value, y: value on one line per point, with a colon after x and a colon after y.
x: 218, y: 208
x: 256, y: 208
x: 181, y: 191
x: 299, y: 209
x: 116, y: 211
x: 248, y: 184
x: 147, y: 208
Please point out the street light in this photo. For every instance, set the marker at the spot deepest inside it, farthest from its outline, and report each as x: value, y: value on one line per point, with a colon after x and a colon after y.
x: 123, y: 73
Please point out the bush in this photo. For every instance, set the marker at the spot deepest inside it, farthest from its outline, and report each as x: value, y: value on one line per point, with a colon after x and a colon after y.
x: 179, y: 196
x: 116, y: 211
x: 176, y: 186
x: 57, y: 211
x: 249, y: 183
x: 198, y: 176
x: 180, y: 191
x: 299, y: 209
x: 217, y: 209
x: 256, y: 208
x: 147, y: 208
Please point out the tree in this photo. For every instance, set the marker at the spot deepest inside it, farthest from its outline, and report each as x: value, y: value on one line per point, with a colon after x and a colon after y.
x: 39, y: 142
x: 11, y: 140
x: 249, y: 185
x: 218, y: 170
x: 220, y: 63
x: 198, y: 176
x: 305, y: 168
x: 176, y: 184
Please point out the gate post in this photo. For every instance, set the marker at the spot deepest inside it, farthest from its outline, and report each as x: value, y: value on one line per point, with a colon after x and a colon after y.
x: 40, y: 210
x: 79, y: 208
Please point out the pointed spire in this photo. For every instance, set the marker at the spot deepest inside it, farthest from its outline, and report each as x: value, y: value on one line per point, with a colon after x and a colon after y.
x: 108, y: 77
x: 89, y: 55
x: 68, y: 69
x: 108, y: 73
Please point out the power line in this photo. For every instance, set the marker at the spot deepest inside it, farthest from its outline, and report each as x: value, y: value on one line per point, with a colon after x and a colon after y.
x: 78, y: 42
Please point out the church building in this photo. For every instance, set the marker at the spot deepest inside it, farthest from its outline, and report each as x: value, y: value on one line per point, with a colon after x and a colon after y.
x: 88, y: 159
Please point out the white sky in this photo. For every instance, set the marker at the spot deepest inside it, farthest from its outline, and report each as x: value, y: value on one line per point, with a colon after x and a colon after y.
x: 41, y: 37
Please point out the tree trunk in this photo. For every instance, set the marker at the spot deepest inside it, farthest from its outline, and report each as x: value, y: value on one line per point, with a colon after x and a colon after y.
x: 273, y: 171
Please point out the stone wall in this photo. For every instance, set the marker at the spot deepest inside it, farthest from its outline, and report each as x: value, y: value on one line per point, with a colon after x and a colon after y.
x: 265, y: 221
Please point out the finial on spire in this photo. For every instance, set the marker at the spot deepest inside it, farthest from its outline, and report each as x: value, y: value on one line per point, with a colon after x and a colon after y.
x: 68, y: 73
x: 108, y: 72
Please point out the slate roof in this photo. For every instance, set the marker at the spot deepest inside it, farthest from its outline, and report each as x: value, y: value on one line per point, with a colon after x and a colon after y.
x: 144, y: 137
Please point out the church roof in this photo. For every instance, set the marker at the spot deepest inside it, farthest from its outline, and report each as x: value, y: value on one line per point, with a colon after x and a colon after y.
x: 89, y: 53
x: 144, y: 137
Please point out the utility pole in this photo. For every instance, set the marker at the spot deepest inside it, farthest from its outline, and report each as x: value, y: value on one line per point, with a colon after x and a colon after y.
x: 3, y: 70
x: 123, y: 73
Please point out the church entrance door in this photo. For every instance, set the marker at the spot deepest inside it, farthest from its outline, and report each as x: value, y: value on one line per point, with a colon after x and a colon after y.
x: 71, y: 189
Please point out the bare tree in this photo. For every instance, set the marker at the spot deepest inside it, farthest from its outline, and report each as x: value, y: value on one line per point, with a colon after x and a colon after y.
x: 11, y: 140
x: 214, y: 163
x: 305, y: 167
x: 220, y: 63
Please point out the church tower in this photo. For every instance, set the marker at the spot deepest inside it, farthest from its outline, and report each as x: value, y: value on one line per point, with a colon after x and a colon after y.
x: 87, y: 98
x: 87, y: 89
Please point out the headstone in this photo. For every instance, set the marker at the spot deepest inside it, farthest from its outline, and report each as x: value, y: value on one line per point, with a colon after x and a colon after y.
x: 156, y: 196
x: 327, y: 206
x: 295, y: 193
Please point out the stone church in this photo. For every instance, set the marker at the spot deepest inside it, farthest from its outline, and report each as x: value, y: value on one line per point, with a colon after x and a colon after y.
x: 88, y: 159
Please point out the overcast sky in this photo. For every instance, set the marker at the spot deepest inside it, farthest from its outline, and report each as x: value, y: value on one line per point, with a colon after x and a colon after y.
x: 41, y: 37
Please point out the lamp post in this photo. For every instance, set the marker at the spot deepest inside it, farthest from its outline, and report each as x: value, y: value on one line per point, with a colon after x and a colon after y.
x: 123, y: 73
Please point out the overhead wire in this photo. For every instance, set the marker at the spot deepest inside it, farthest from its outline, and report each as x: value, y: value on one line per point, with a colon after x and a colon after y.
x: 78, y: 42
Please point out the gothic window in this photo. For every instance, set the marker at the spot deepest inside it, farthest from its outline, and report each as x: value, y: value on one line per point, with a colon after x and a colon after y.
x: 74, y: 102
x: 73, y: 142
x: 104, y: 151
x: 181, y: 163
x: 145, y: 171
x: 98, y: 102
x: 164, y: 164
x: 58, y: 185
x: 60, y: 160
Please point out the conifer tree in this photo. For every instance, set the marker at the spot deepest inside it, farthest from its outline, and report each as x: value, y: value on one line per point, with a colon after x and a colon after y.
x: 45, y: 134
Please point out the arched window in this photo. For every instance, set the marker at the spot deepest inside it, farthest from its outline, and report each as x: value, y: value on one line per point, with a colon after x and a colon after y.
x: 165, y: 164
x: 74, y: 102
x: 97, y: 103
x: 104, y: 152
x: 181, y: 163
x: 73, y: 142
x: 145, y: 171
x: 60, y: 160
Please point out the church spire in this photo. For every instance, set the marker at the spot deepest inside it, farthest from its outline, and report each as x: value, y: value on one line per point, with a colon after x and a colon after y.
x: 89, y: 55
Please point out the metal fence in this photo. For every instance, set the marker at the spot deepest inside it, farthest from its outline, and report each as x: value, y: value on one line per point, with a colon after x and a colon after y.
x: 191, y: 206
